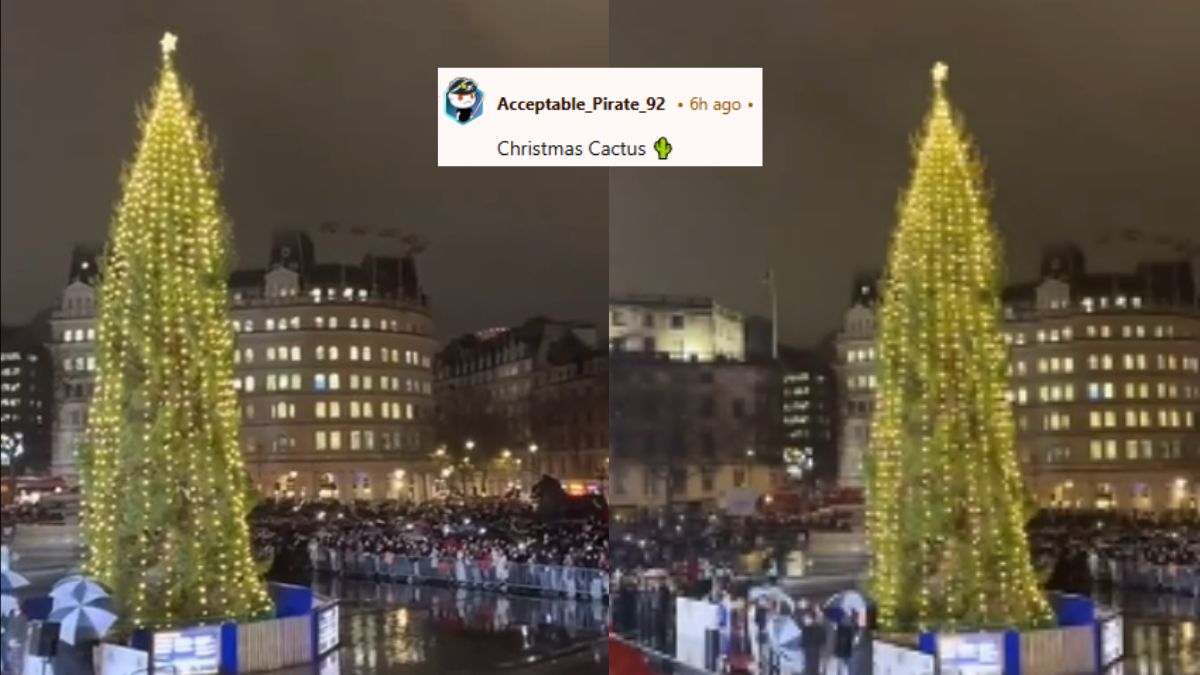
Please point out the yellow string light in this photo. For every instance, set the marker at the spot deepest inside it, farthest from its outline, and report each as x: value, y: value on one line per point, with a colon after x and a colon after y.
x: 163, y: 475
x: 945, y: 515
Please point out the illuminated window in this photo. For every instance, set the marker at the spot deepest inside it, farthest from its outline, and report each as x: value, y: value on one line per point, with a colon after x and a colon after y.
x: 335, y: 440
x: 321, y: 440
x: 368, y: 409
x: 295, y: 382
x: 295, y: 322
x: 1097, y: 449
x: 366, y: 353
x: 335, y: 409
x: 333, y: 353
x: 354, y: 323
x: 320, y: 409
x: 366, y: 323
x: 333, y: 322
x: 356, y: 440
x: 1110, y: 418
x: 353, y: 381
x: 335, y: 381
x: 355, y: 410
x: 368, y: 382
x: 1110, y: 449
x: 270, y: 353
x: 270, y: 324
x: 320, y: 382
x: 353, y: 353
x: 296, y: 353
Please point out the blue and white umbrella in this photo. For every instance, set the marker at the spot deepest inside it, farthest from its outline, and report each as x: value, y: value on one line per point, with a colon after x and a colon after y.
x: 82, y: 623
x: 8, y: 605
x: 76, y: 591
x: 11, y: 581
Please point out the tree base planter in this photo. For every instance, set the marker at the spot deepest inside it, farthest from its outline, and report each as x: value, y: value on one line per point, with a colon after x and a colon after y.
x: 305, y: 628
x: 1088, y: 639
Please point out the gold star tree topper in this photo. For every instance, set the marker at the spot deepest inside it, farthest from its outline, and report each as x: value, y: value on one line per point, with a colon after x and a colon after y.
x: 168, y: 43
x: 940, y: 72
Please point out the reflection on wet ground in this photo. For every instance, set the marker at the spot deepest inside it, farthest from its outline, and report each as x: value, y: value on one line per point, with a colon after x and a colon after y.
x: 397, y: 628
x: 1162, y: 633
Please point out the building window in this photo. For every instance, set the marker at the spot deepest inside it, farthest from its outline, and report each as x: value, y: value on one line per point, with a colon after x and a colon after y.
x: 319, y: 382
x: 335, y: 440
x: 333, y: 353
x: 320, y: 409
x: 248, y: 383
x: 356, y: 440
x: 335, y: 409
x: 321, y: 440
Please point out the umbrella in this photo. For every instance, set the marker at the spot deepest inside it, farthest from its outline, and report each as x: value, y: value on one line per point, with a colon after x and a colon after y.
x: 845, y: 602
x: 8, y: 605
x: 11, y: 581
x: 82, y: 623
x: 772, y: 593
x: 785, y: 637
x: 76, y: 591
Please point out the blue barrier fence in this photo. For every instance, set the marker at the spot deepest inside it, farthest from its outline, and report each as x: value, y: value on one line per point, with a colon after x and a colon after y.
x: 581, y: 582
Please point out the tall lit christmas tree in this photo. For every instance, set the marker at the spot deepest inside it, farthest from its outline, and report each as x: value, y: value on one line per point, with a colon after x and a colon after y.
x: 165, y: 500
x: 946, y: 514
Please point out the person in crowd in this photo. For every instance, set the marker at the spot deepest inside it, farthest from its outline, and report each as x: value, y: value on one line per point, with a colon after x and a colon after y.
x: 843, y: 644
x: 812, y: 642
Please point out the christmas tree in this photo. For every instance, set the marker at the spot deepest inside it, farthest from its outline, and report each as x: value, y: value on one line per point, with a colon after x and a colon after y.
x: 165, y: 501
x: 946, y: 514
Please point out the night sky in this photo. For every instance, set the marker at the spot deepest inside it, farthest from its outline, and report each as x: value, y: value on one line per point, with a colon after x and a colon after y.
x: 1085, y: 111
x: 320, y: 113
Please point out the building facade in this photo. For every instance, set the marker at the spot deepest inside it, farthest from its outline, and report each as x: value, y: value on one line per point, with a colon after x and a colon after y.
x: 1105, y: 384
x: 26, y: 402
x: 518, y: 403
x: 333, y: 365
x: 698, y: 435
x: 809, y: 422
x: 683, y: 328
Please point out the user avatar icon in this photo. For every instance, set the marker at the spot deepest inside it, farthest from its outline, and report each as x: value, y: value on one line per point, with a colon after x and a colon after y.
x: 464, y: 100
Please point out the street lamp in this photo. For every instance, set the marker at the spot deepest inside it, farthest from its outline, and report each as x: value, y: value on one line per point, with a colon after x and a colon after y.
x: 470, y: 445
x: 506, y: 454
x: 533, y: 448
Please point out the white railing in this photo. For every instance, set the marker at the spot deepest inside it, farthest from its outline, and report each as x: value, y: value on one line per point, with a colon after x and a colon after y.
x: 580, y: 582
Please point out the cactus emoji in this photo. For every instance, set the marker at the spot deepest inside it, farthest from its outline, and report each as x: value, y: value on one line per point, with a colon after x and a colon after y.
x: 662, y: 147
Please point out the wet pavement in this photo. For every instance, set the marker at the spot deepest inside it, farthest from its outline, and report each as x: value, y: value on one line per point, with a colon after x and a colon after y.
x: 414, y: 630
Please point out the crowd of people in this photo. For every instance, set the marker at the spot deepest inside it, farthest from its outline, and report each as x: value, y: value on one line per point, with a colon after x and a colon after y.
x: 1078, y: 549
x: 288, y: 532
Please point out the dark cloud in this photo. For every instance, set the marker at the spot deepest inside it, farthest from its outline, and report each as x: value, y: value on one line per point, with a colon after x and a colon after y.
x: 321, y: 111
x: 1085, y: 111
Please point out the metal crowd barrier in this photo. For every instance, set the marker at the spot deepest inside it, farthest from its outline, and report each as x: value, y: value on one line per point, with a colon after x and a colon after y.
x: 1182, y: 579
x: 582, y: 582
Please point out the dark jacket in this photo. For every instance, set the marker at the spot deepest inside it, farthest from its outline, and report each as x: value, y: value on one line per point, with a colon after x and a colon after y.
x: 843, y: 644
